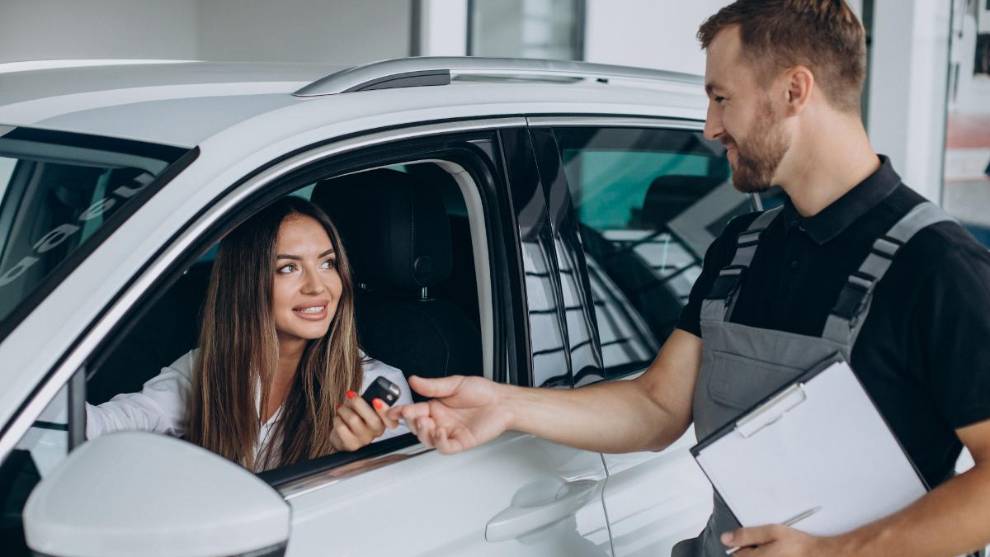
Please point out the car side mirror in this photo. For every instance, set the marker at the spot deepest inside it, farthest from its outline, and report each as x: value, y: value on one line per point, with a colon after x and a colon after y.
x: 134, y: 493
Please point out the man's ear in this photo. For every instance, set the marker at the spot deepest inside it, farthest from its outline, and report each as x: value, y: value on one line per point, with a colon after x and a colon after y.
x: 800, y: 82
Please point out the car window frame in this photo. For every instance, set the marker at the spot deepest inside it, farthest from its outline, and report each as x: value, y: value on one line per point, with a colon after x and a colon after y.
x: 266, y: 183
x: 531, y: 224
x: 669, y: 124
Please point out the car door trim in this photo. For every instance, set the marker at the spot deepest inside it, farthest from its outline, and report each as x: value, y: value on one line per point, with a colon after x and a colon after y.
x: 81, y: 349
x: 325, y: 478
x: 614, y: 122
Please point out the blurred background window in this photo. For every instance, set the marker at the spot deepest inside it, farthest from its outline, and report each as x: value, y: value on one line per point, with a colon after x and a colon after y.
x: 551, y: 29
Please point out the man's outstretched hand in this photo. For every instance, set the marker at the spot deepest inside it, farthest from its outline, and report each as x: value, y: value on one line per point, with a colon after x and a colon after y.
x: 464, y: 412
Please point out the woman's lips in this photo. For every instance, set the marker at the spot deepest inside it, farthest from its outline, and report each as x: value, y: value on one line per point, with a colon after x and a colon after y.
x: 311, y: 313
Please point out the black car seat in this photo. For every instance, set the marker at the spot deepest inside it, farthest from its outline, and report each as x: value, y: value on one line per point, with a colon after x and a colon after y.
x: 672, y: 194
x: 398, y: 239
x: 169, y: 329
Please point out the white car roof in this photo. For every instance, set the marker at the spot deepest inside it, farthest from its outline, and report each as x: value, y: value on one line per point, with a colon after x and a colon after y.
x: 184, y: 103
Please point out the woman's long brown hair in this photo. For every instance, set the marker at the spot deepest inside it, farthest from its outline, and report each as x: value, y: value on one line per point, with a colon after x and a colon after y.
x: 238, y: 352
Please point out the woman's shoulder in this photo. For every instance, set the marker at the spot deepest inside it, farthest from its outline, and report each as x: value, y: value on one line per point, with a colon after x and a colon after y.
x: 184, y: 364
x: 373, y: 368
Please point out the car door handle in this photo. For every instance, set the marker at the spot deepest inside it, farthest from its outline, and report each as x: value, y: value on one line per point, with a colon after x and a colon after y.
x: 523, y: 517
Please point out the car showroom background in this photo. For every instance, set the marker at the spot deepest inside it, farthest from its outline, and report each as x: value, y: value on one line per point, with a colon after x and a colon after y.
x: 927, y: 103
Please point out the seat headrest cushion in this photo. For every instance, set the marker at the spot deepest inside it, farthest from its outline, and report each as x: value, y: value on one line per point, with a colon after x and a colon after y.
x: 395, y: 229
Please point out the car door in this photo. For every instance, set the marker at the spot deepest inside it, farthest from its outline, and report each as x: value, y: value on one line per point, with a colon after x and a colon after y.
x: 646, y: 198
x: 517, y: 495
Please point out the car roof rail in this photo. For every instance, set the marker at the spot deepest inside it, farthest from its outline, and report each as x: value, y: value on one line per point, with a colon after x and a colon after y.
x: 426, y: 71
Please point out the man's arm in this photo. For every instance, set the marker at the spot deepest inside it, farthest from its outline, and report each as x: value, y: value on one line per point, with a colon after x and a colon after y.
x: 649, y: 412
x: 952, y: 519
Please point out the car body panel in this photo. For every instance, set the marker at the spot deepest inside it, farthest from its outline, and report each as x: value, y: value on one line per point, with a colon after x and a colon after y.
x: 655, y: 499
x: 433, y: 504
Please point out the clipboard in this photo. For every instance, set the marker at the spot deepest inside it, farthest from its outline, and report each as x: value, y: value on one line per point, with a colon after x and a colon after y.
x: 818, y: 442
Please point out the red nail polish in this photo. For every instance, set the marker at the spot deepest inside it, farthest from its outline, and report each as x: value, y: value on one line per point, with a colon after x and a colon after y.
x: 351, y: 394
x: 378, y: 404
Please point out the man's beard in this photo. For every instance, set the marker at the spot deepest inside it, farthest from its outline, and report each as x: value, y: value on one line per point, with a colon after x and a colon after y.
x: 757, y: 161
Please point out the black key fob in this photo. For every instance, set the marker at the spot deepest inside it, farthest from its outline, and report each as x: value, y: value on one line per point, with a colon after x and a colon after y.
x: 382, y: 389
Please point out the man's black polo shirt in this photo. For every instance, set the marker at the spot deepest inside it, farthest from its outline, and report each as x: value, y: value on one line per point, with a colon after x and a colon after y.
x: 924, y: 351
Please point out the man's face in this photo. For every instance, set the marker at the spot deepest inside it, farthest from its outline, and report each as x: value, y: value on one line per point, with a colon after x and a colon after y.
x: 742, y: 116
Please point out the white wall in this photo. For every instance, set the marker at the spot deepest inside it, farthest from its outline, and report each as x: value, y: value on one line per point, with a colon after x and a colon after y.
x: 330, y: 31
x: 648, y: 33
x: 53, y: 29
x: 443, y: 29
x: 908, y: 88
x: 652, y: 33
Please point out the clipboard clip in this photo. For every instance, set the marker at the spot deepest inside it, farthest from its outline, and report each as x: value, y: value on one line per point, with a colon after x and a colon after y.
x: 771, y: 411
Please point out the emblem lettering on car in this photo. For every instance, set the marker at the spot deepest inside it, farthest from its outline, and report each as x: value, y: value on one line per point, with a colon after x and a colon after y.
x: 53, y: 238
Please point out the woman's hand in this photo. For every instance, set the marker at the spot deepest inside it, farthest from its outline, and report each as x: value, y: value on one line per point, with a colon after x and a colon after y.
x: 357, y: 423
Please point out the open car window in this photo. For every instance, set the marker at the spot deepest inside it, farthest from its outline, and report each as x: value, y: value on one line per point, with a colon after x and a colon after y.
x: 390, y: 312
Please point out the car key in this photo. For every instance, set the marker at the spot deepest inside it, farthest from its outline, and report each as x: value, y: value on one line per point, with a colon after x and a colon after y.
x: 382, y: 389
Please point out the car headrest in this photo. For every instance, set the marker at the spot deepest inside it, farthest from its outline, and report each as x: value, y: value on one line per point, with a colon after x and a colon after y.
x: 395, y: 229
x: 671, y: 195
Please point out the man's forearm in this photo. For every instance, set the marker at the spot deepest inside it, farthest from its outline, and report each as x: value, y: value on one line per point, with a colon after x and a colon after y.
x: 647, y: 413
x: 608, y: 417
x: 953, y: 519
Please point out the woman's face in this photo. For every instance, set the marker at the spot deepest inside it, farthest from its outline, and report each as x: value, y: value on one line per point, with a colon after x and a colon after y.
x: 306, y: 286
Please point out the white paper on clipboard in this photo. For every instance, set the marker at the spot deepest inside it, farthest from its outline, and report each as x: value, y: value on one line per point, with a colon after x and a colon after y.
x: 818, y: 443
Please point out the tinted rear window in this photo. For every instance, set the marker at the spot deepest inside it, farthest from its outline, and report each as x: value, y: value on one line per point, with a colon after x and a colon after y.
x: 60, y: 195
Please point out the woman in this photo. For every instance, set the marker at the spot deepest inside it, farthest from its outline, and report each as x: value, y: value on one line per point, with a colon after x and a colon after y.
x: 271, y: 383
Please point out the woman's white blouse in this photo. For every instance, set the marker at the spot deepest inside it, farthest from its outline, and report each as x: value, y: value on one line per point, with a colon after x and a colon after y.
x: 160, y: 407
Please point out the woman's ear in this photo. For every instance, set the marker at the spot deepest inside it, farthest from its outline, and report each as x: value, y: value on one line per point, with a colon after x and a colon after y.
x: 800, y: 82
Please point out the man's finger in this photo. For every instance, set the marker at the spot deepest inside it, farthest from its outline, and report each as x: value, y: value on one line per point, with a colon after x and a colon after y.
x: 745, y: 537
x: 383, y: 410
x: 447, y: 445
x: 424, y: 430
x: 436, y: 388
x: 409, y: 412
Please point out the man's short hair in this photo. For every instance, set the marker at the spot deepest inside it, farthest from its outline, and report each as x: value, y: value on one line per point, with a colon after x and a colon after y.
x: 823, y: 35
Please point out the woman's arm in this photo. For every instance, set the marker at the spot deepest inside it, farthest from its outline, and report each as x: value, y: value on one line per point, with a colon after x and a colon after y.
x: 160, y: 407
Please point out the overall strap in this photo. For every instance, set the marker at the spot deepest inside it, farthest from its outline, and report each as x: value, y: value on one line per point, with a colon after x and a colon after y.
x: 853, y: 306
x: 717, y: 305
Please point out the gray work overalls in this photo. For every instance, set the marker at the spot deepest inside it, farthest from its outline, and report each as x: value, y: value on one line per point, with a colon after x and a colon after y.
x: 741, y: 365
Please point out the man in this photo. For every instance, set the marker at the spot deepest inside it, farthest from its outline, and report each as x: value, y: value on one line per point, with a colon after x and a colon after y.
x: 784, y: 79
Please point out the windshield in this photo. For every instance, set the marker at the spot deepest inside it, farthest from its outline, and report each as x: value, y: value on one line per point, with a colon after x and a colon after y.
x: 60, y: 195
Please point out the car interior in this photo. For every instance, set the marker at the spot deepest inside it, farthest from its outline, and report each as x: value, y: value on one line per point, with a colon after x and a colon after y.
x: 407, y: 234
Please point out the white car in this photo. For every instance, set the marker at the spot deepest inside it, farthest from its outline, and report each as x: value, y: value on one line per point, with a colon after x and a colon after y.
x: 575, y: 202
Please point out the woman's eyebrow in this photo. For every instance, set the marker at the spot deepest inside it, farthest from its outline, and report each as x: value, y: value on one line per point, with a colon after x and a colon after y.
x: 297, y: 258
